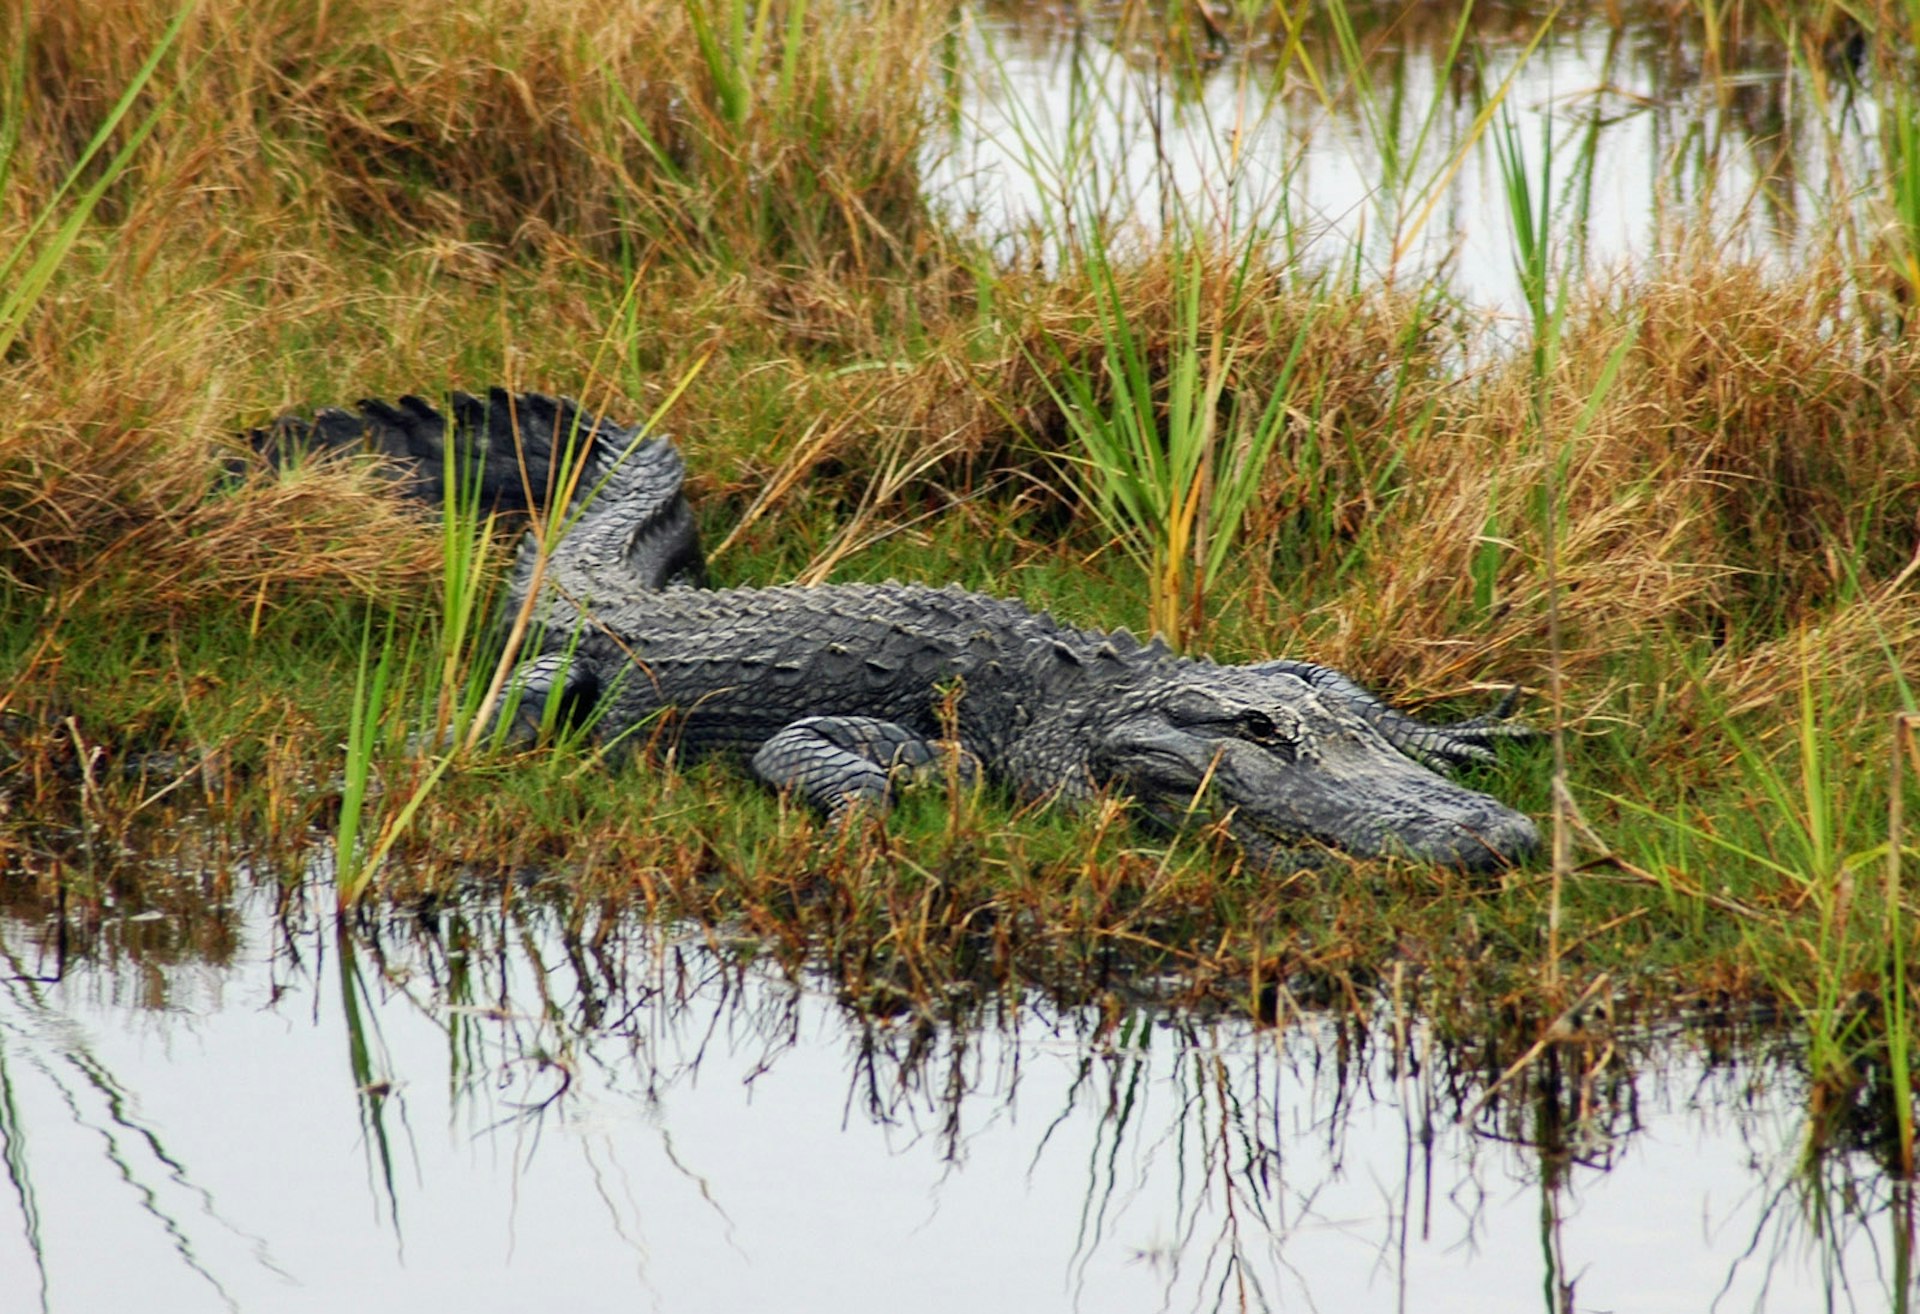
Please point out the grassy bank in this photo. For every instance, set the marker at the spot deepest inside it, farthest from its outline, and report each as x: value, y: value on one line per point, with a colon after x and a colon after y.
x: 1678, y: 503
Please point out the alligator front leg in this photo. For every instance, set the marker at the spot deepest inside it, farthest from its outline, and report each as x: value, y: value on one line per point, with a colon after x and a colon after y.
x: 841, y: 763
x: 564, y: 681
x: 1441, y: 747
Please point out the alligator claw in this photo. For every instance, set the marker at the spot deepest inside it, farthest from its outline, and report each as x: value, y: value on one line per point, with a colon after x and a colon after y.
x: 1441, y: 746
x: 843, y: 765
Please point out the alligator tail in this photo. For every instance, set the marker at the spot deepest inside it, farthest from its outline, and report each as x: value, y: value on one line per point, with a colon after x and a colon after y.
x: 518, y: 452
x: 508, y: 441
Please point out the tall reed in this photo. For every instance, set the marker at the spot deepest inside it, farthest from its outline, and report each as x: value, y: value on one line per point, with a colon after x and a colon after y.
x: 1898, y: 985
x: 1543, y: 287
x: 1902, y: 146
x: 1171, y: 452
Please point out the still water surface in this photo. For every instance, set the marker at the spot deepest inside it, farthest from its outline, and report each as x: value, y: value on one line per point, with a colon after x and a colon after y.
x: 1062, y: 127
x: 665, y: 1123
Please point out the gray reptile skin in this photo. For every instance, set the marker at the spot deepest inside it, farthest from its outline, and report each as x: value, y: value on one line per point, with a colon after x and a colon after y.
x: 834, y: 692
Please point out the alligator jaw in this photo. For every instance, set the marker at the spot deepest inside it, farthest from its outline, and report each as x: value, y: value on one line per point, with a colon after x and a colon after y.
x: 1352, y: 791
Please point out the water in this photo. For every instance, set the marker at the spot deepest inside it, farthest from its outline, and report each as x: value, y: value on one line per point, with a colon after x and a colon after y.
x: 660, y: 1121
x: 1055, y: 123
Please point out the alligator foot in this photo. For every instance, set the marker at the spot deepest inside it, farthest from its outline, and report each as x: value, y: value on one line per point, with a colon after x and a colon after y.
x: 553, y: 684
x: 843, y: 764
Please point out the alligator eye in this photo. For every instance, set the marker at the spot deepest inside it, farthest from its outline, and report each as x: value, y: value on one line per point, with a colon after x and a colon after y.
x: 1259, y: 725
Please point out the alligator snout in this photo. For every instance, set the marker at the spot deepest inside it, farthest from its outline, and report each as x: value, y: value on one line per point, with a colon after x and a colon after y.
x: 1360, y: 795
x: 1477, y: 833
x: 1336, y: 784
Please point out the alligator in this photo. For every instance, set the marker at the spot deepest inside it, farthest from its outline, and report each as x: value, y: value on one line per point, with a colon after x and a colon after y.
x: 835, y: 693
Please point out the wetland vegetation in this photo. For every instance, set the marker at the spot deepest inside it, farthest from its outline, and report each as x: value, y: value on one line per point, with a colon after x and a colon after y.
x: 1451, y: 346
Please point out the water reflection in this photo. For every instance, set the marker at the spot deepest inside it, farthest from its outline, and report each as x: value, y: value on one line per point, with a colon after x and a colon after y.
x: 504, y: 1105
x: 1378, y: 162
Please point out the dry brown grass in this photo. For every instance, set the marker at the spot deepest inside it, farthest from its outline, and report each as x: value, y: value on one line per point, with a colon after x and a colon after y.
x: 131, y: 511
x: 499, y: 126
x: 1753, y: 463
x: 335, y: 197
x: 1755, y: 450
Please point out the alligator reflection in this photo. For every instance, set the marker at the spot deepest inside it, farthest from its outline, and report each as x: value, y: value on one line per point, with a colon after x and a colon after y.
x: 637, y: 1107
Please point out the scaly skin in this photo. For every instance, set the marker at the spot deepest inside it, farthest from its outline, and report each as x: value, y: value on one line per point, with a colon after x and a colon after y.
x: 831, y: 691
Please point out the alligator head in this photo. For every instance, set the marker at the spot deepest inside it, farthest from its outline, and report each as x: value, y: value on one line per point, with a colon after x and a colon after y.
x: 1291, y: 771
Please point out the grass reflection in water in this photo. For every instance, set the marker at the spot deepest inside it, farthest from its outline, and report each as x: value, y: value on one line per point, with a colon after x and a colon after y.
x: 616, y: 1109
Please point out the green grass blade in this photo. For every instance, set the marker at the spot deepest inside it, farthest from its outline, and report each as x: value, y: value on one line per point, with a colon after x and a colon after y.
x: 26, y: 286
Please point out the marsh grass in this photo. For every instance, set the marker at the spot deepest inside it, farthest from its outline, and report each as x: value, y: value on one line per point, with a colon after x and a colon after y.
x: 1903, y: 757
x: 1170, y: 454
x: 1701, y: 469
x: 28, y: 266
